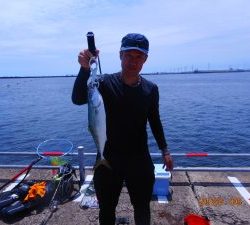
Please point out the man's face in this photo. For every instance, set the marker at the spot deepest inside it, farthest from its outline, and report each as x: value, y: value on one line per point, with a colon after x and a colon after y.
x: 132, y: 61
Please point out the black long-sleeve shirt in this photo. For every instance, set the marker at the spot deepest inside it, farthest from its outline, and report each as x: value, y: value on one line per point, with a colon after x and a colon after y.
x: 127, y: 111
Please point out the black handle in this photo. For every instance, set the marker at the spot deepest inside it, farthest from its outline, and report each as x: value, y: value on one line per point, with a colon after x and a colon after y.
x: 91, y: 43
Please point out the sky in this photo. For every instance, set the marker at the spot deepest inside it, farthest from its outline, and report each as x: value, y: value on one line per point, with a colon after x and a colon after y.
x: 44, y: 38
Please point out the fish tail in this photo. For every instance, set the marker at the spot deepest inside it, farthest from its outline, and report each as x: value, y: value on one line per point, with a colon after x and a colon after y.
x: 103, y: 162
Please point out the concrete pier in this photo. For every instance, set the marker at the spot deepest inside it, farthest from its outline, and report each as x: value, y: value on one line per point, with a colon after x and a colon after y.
x: 211, y: 194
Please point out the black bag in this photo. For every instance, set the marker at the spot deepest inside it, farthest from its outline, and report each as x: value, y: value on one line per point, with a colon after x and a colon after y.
x: 12, y: 202
x: 65, y: 183
x: 8, y: 197
x: 58, y: 190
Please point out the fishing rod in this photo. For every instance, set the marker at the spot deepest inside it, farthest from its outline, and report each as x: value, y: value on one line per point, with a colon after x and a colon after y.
x: 28, y: 168
x: 92, y: 48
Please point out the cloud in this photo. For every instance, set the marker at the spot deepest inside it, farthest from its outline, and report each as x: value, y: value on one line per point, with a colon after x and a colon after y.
x: 178, y: 30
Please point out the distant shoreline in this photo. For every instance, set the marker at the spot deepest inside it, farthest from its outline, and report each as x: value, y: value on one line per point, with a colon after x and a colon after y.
x: 155, y: 73
x: 17, y: 77
x: 199, y: 72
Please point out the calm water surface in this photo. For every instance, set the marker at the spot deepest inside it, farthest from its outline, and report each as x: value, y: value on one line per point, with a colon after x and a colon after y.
x: 200, y: 112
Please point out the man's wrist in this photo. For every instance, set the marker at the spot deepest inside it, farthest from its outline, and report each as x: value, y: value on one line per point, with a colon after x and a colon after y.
x: 165, y: 151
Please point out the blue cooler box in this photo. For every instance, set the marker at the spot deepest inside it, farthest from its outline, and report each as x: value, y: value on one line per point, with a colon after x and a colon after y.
x: 162, y: 177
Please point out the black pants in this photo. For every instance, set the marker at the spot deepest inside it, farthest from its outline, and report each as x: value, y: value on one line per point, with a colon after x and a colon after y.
x: 139, y: 178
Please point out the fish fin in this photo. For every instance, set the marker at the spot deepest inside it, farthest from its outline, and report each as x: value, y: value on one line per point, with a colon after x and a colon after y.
x: 103, y: 162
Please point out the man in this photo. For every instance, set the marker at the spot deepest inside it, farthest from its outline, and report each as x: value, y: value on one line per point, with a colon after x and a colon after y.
x: 130, y: 101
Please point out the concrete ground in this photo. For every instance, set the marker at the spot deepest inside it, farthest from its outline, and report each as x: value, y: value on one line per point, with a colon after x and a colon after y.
x: 206, y: 193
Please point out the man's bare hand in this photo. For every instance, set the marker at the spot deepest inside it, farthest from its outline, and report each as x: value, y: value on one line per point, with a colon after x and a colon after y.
x: 84, y: 57
x: 168, y: 162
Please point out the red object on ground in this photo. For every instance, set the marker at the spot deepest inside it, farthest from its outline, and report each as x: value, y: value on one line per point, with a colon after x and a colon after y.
x: 193, y: 219
x: 196, y: 154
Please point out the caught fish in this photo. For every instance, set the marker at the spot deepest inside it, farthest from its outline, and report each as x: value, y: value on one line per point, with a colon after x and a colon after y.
x: 96, y: 115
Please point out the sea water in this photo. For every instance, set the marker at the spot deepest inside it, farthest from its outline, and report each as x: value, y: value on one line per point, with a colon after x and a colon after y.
x: 199, y: 112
